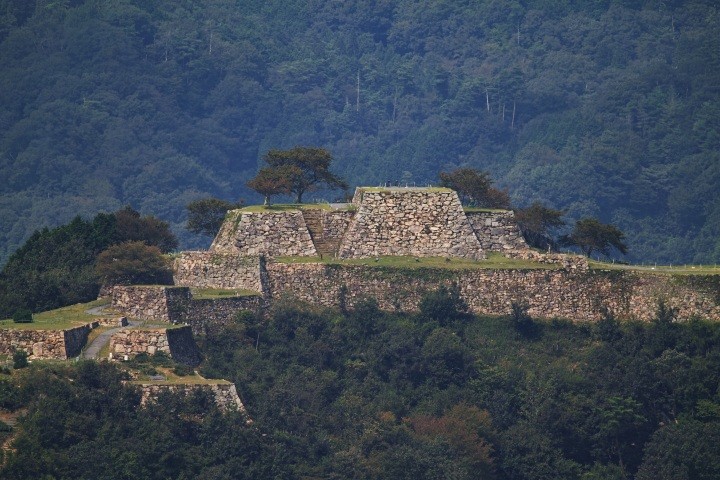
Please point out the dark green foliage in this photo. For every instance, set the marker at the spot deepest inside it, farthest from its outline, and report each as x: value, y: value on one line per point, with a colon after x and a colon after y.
x: 83, y: 423
x: 19, y: 359
x: 444, y: 305
x: 538, y: 223
x: 605, y: 109
x: 522, y: 321
x: 591, y: 235
x: 205, y: 216
x: 133, y: 263
x: 574, y: 402
x: 370, y: 394
x: 131, y: 227
x: 298, y: 170
x: 687, y: 450
x: 272, y: 181
x: 56, y: 267
x: 22, y: 315
x: 475, y: 188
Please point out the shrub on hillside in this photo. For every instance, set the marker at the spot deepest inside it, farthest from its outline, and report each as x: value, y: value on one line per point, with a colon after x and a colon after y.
x: 19, y: 358
x: 22, y: 315
x: 133, y: 263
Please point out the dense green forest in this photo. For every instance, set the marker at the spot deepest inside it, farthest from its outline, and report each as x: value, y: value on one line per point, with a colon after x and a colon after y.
x: 367, y: 394
x: 603, y: 108
x: 59, y: 266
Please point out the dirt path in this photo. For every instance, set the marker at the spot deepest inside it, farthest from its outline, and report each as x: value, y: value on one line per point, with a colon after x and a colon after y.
x: 92, y: 350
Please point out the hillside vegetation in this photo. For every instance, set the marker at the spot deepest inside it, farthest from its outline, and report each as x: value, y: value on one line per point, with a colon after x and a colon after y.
x: 369, y: 395
x: 603, y: 108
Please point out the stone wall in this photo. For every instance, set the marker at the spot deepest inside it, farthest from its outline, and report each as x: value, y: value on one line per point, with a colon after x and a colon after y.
x: 573, y: 294
x: 270, y: 233
x: 497, y: 231
x: 131, y: 342
x: 207, y: 313
x: 176, y: 305
x: 217, y: 270
x: 112, y: 321
x: 409, y: 221
x: 225, y: 394
x: 46, y: 344
x: 178, y: 343
x: 148, y: 302
x: 327, y: 228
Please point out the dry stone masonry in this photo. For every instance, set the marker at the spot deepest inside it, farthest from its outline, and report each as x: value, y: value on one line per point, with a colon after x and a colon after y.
x: 409, y: 221
x: 271, y: 233
x: 178, y: 343
x: 217, y: 270
x: 45, y: 344
x: 497, y: 231
x: 423, y: 222
x: 224, y: 394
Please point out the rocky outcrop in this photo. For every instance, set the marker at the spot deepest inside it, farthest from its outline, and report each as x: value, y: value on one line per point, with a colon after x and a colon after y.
x: 409, y: 221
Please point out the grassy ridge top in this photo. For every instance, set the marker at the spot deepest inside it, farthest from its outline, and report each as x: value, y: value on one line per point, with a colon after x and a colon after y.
x: 494, y: 261
x: 61, y: 318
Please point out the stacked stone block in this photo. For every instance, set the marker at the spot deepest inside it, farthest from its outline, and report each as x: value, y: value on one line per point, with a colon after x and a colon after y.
x: 268, y: 233
x: 225, y: 394
x: 497, y: 231
x: 409, y: 222
x: 217, y: 270
x: 45, y: 344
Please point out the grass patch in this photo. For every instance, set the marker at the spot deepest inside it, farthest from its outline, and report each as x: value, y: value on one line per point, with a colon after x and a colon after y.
x: 172, y: 379
x: 483, y: 210
x: 61, y: 318
x: 405, y: 189
x: 494, y: 261
x: 668, y: 269
x: 212, y: 293
x: 285, y: 207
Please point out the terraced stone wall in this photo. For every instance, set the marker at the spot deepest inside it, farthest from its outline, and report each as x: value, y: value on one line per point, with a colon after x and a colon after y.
x: 408, y: 221
x: 497, y: 231
x: 224, y: 394
x: 205, y: 314
x: 573, y: 294
x: 217, y: 270
x: 269, y: 233
x: 147, y: 302
x: 45, y: 344
x: 176, y: 342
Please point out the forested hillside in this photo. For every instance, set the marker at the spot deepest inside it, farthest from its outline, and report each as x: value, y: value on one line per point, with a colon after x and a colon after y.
x: 603, y: 108
x: 372, y: 395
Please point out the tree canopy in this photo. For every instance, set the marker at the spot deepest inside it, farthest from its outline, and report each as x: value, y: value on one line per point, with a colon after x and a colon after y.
x: 205, y: 216
x: 274, y: 181
x: 475, y: 188
x: 298, y: 170
x: 591, y: 235
x: 602, y: 108
x: 537, y: 224
x: 56, y: 267
x: 132, y: 263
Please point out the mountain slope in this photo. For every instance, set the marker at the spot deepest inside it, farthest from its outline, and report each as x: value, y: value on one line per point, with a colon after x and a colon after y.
x: 592, y: 107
